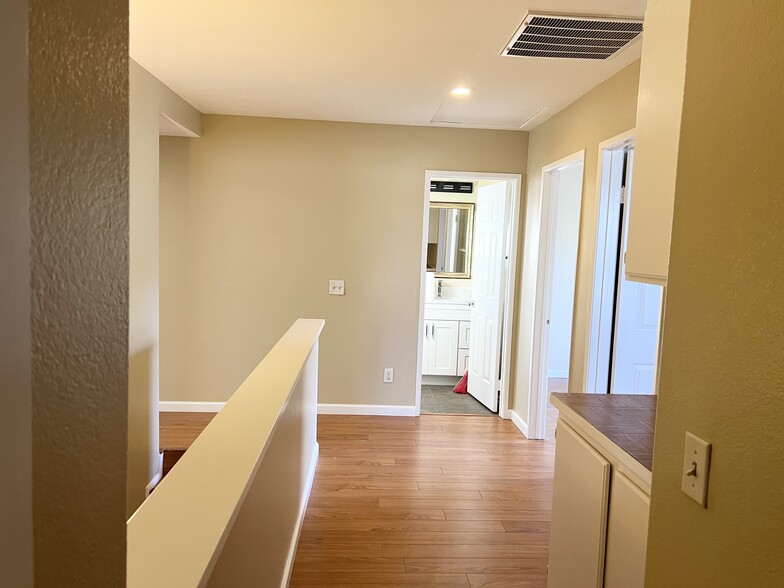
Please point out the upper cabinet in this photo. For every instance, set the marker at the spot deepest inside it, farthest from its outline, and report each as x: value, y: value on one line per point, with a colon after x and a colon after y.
x: 659, y: 106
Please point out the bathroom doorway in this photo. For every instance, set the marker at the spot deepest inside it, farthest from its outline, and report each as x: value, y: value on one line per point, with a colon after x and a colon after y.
x: 469, y: 245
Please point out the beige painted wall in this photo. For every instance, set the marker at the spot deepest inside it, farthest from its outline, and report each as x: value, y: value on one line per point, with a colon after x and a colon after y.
x: 722, y: 365
x: 16, y: 451
x: 78, y: 122
x: 276, y: 208
x: 148, y: 97
x: 606, y: 111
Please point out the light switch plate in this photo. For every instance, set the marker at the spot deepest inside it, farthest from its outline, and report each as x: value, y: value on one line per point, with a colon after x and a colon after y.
x: 337, y: 287
x: 696, y: 467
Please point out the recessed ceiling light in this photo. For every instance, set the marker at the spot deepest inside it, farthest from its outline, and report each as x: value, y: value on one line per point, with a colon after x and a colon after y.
x: 461, y: 91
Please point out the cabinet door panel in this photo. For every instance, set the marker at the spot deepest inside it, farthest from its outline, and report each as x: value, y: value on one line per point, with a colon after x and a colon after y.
x: 442, y: 357
x: 465, y: 335
x: 579, y: 523
x: 462, y: 361
x: 627, y: 534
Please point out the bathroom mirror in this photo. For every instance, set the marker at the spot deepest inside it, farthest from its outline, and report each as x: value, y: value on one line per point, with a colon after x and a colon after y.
x: 449, y: 239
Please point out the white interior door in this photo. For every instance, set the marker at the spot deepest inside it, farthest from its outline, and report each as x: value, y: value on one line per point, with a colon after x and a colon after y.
x: 487, y: 276
x: 636, y: 340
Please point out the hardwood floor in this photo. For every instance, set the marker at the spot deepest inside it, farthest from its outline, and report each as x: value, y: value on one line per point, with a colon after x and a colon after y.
x: 436, y: 500
x: 178, y: 430
x: 433, y: 500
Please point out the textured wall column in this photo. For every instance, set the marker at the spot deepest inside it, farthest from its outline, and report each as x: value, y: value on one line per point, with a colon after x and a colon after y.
x: 16, y: 467
x: 722, y: 364
x: 78, y: 99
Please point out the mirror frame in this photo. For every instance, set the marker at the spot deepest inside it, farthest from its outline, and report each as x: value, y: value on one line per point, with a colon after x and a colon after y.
x: 469, y: 206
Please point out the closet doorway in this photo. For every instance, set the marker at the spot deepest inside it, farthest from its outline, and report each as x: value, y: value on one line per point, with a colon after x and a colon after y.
x: 469, y: 247
x: 625, y: 315
x: 562, y: 190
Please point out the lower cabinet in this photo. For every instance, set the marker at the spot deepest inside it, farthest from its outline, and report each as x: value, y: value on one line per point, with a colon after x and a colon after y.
x: 440, y: 348
x: 445, y: 348
x: 627, y: 534
x: 580, y: 498
x: 599, y: 529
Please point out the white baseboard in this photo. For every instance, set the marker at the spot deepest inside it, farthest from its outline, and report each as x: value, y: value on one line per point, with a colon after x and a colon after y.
x: 519, y: 423
x: 190, y: 406
x: 302, y: 509
x: 367, y: 409
x: 440, y: 380
x: 157, y: 477
x: 558, y: 373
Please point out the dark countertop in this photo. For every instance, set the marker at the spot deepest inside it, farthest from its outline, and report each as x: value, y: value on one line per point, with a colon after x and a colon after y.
x: 625, y: 419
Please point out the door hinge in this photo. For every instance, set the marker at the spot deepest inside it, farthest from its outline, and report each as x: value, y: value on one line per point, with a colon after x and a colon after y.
x: 622, y: 195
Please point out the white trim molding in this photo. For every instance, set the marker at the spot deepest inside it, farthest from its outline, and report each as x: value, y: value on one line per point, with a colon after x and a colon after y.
x: 157, y: 477
x: 167, y: 406
x: 368, y: 409
x: 302, y: 509
x: 558, y: 373
x: 519, y: 423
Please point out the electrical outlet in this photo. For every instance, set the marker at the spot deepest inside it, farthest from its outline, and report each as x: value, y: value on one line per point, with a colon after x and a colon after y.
x: 389, y: 375
x: 337, y: 287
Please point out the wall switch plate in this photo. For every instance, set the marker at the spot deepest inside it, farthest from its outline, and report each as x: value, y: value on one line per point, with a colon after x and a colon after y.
x: 389, y: 375
x: 337, y: 287
x: 696, y: 466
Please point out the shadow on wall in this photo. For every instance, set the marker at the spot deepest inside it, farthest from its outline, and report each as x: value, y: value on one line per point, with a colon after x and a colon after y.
x: 142, y: 417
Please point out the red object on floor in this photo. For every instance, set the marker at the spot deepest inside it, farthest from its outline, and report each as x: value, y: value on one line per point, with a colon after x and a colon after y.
x: 462, y: 385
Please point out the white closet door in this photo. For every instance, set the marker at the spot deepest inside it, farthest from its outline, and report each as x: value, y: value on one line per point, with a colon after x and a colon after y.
x: 579, y: 523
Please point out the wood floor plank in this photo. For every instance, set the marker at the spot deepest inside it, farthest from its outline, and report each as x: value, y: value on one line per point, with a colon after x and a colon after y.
x: 535, y: 566
x: 433, y: 500
x: 377, y: 580
x: 505, y: 581
x: 387, y: 537
x: 350, y: 565
x: 440, y: 551
x: 376, y: 514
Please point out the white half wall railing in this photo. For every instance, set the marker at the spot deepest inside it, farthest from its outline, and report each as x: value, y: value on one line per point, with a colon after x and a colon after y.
x: 229, y: 513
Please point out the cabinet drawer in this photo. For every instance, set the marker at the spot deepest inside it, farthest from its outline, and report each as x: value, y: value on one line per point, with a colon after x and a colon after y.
x: 464, y: 339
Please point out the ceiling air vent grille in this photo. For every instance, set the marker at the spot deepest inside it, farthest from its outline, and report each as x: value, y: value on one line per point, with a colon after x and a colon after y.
x: 572, y: 37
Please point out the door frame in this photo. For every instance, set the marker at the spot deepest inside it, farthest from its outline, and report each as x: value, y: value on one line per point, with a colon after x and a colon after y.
x: 544, y: 284
x: 595, y: 323
x: 514, y: 185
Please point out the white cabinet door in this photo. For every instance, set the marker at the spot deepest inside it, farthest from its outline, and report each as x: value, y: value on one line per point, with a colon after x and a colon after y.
x: 579, y: 522
x: 442, y: 352
x: 659, y: 105
x: 464, y: 341
x: 462, y: 361
x: 426, y: 349
x: 627, y: 534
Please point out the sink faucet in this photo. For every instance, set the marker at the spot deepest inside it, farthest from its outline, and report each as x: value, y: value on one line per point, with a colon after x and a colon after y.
x: 439, y: 287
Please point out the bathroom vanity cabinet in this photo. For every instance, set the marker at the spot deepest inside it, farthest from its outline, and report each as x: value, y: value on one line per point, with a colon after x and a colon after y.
x: 447, y: 332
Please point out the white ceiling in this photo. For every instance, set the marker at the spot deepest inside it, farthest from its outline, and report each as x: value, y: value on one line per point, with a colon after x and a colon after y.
x: 377, y: 61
